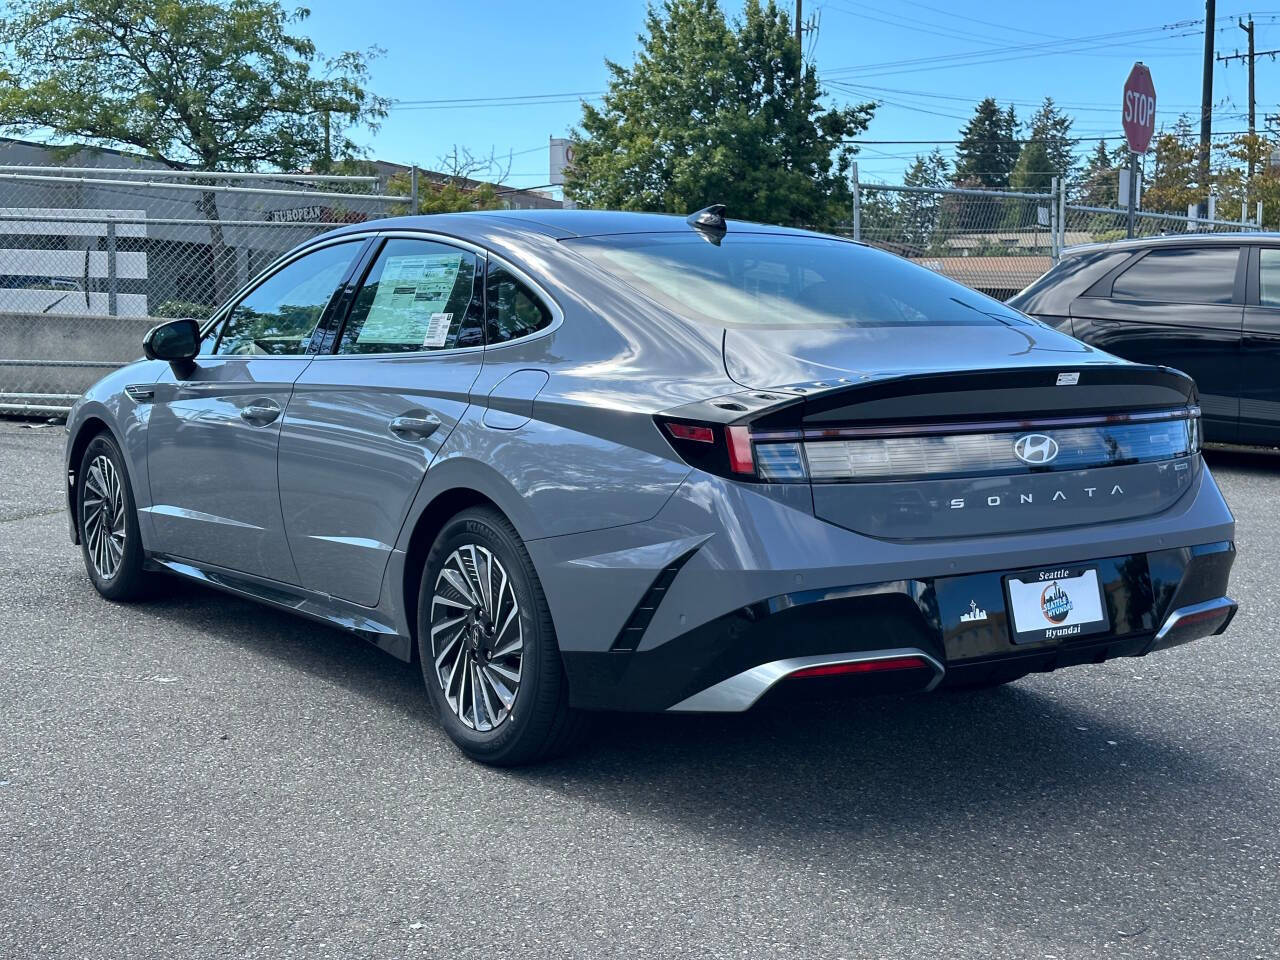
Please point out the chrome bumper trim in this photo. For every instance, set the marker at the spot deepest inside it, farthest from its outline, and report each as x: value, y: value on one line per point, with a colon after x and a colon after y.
x: 737, y: 693
x: 1219, y: 612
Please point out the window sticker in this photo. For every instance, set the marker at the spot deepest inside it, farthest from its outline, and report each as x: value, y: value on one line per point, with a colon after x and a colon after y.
x: 438, y: 330
x: 412, y: 293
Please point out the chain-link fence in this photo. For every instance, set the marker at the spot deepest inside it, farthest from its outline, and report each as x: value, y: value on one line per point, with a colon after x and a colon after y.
x: 997, y: 241
x: 90, y: 258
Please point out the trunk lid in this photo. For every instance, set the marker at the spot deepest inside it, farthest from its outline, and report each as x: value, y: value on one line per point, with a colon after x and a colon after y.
x: 932, y: 432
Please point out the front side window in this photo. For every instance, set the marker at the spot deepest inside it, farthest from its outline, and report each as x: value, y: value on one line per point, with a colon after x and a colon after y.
x: 278, y: 317
x: 514, y: 310
x: 761, y: 281
x: 419, y: 295
x: 1181, y: 275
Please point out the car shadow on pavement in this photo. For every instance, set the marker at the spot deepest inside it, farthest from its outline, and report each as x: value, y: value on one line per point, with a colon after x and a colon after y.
x: 846, y: 767
x: 909, y: 765
x: 298, y: 644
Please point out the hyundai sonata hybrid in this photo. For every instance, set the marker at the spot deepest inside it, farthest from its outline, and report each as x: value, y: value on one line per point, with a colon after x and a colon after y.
x: 578, y: 460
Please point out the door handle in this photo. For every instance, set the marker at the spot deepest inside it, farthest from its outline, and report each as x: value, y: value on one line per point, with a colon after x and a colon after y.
x: 260, y: 412
x: 414, y: 428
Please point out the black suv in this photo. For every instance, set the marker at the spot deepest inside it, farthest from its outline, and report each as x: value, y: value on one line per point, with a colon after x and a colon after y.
x: 1208, y: 305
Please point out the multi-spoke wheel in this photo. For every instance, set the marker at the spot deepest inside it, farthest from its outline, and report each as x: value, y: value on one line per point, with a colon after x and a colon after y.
x: 488, y: 646
x: 102, y: 516
x: 477, y: 640
x: 108, y: 522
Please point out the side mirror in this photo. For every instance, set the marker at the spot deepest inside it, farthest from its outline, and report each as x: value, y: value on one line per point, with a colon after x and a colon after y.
x: 177, y: 341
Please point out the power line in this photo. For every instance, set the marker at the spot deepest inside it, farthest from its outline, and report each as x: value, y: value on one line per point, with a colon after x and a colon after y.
x: 1032, y: 49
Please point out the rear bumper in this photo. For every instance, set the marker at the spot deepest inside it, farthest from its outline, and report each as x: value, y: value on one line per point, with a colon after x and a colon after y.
x: 1154, y: 600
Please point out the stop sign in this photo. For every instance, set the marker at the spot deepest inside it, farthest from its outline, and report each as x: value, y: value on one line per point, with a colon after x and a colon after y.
x: 1139, y: 108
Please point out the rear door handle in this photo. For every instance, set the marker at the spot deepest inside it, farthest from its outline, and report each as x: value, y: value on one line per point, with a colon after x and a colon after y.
x: 414, y: 428
x: 260, y: 412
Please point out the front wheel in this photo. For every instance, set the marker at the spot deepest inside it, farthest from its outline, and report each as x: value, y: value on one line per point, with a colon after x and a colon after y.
x: 108, y: 522
x: 487, y: 645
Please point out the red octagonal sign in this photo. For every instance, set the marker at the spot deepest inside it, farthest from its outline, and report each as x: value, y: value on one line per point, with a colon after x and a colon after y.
x: 1139, y: 108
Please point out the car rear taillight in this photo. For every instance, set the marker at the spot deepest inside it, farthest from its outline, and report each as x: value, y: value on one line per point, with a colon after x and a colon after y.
x: 735, y: 450
x: 862, y: 666
x: 762, y: 445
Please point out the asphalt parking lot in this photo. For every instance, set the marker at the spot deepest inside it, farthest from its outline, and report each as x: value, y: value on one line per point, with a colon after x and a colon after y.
x: 203, y: 777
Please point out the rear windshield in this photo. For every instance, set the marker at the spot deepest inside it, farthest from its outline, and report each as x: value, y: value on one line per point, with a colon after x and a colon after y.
x: 777, y: 280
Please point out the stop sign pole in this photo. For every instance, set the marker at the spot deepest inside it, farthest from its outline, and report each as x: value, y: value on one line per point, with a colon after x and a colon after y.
x: 1139, y: 115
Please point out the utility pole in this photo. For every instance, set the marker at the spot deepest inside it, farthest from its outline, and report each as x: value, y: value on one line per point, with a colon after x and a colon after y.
x: 1253, y: 99
x: 1251, y: 58
x: 800, y: 32
x: 1206, y: 96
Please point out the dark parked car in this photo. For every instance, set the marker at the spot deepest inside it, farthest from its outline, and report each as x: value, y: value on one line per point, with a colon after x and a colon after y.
x: 579, y: 460
x: 1207, y: 305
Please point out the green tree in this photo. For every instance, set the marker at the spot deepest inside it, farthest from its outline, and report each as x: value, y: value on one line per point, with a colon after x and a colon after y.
x: 717, y: 112
x: 199, y: 84
x: 463, y: 182
x: 1048, y: 152
x: 988, y: 147
x: 1098, y: 185
x: 1172, y: 184
x: 918, y: 213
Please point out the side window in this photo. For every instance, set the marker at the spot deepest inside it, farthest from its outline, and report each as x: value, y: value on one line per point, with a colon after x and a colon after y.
x: 1181, y: 275
x: 418, y: 295
x: 1269, y: 277
x: 513, y: 309
x: 277, y: 317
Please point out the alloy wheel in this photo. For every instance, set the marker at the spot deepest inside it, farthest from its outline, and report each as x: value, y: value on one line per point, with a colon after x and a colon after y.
x: 477, y: 640
x: 102, y: 516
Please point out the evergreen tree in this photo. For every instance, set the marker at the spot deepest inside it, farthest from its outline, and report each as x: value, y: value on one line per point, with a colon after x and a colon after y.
x: 918, y: 213
x: 1098, y: 185
x: 988, y: 147
x: 713, y: 111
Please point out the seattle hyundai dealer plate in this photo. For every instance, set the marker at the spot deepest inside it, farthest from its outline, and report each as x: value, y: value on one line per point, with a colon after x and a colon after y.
x: 1054, y: 604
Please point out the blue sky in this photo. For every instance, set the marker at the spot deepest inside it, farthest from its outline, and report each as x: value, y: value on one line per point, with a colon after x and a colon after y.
x: 928, y: 62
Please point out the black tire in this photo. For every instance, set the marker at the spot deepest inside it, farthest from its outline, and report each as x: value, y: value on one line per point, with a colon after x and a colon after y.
x: 539, y: 722
x: 121, y: 539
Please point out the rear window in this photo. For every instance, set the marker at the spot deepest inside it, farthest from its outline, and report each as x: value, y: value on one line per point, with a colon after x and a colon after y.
x: 776, y: 280
x: 1181, y: 275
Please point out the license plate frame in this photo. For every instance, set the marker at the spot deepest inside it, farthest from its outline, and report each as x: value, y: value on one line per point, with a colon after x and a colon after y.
x: 1034, y: 597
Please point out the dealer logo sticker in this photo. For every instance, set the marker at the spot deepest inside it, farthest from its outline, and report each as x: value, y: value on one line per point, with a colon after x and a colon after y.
x: 1055, y: 603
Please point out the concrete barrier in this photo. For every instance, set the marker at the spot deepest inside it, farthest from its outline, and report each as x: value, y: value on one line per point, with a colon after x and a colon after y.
x: 46, y: 361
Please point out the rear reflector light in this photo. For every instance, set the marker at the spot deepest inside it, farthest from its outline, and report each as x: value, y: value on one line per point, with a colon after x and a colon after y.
x: 687, y: 431
x: 741, y: 459
x: 863, y: 666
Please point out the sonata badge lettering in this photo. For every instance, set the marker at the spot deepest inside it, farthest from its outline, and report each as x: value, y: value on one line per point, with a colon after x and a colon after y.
x: 1000, y: 499
x: 1035, y: 449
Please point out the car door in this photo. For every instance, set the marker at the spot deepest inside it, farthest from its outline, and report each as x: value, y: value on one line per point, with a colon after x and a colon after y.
x: 1179, y: 306
x: 367, y: 418
x: 1260, y: 350
x: 214, y: 425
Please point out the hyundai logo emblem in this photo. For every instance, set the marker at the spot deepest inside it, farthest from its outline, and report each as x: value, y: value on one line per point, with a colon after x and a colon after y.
x: 1035, y: 449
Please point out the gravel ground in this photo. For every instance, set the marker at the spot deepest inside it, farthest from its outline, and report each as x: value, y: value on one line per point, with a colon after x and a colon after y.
x: 203, y: 777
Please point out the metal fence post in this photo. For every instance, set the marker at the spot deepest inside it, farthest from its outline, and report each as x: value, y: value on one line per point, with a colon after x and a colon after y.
x: 857, y: 205
x: 1053, y: 220
x: 413, y: 189
x: 1062, y: 217
x: 1259, y: 219
x: 113, y: 282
